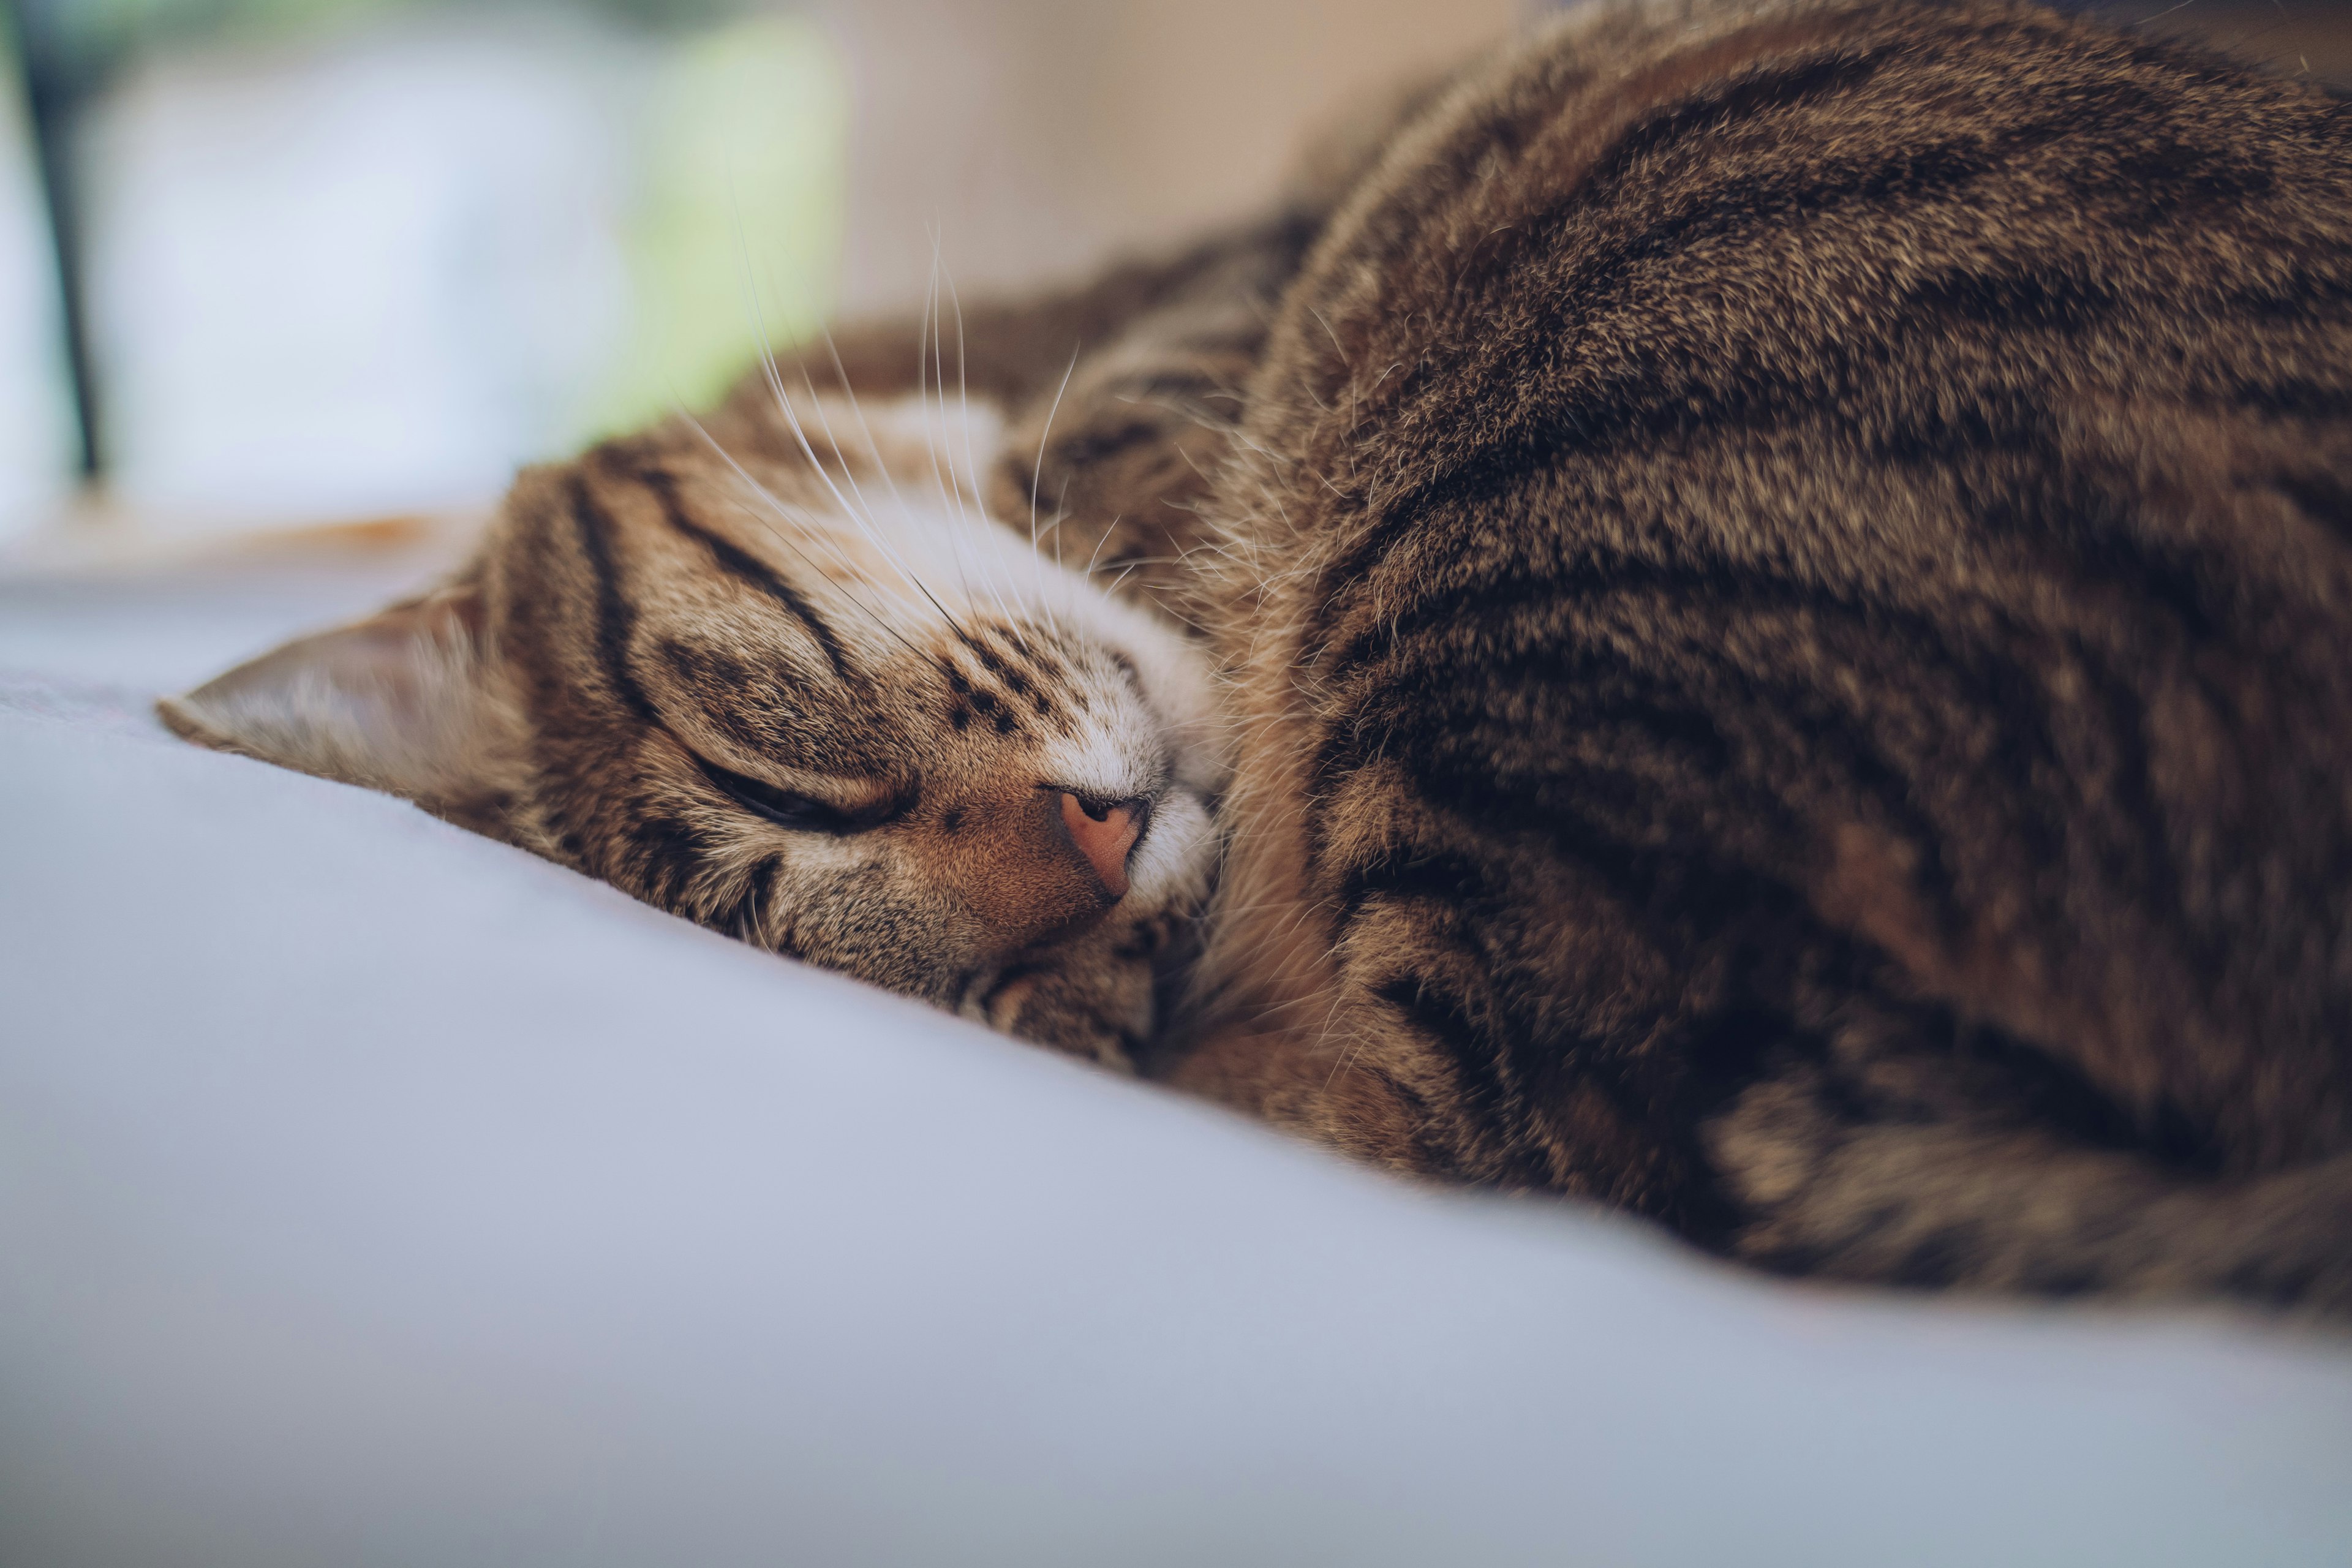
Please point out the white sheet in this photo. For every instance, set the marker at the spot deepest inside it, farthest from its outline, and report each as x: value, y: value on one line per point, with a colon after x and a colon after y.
x: 373, y: 1193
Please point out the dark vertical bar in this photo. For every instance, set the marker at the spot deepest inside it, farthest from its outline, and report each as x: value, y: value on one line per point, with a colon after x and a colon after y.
x: 53, y: 96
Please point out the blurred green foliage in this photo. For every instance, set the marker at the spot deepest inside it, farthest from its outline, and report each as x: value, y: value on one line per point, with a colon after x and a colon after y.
x: 737, y: 236
x: 92, y: 37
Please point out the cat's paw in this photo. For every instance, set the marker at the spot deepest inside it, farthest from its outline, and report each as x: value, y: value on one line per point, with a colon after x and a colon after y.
x: 1094, y: 998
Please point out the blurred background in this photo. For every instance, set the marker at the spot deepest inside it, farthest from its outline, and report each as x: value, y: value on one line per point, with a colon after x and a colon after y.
x: 274, y: 261
x: 296, y: 261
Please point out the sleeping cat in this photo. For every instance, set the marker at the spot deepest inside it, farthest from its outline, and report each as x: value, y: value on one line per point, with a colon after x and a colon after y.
x: 1743, y: 611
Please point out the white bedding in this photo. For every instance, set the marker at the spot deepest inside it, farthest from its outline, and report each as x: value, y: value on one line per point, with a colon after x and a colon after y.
x: 374, y: 1193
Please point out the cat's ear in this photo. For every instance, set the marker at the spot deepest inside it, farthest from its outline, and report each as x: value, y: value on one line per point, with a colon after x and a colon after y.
x: 401, y: 701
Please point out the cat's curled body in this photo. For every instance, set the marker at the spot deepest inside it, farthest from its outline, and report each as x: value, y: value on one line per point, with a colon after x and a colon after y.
x: 1772, y: 591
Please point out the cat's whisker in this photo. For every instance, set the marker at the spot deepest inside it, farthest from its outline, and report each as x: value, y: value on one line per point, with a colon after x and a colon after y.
x: 849, y: 474
x: 984, y: 538
x: 1061, y: 511
x: 1345, y: 1057
x: 757, y: 911
x: 1197, y: 472
x: 861, y: 514
x: 963, y: 392
x: 746, y: 281
x: 873, y: 447
x: 925, y: 352
x: 1038, y: 469
x: 806, y: 525
x: 872, y: 533
x: 856, y: 407
x: 986, y: 535
x: 819, y: 530
x: 1336, y: 348
x: 771, y: 374
x: 939, y: 439
x: 1089, y: 572
x: 1185, y: 620
x: 786, y: 540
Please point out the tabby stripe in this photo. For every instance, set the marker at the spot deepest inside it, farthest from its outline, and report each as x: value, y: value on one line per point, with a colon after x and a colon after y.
x: 1744, y: 97
x: 2146, y: 863
x: 1479, y: 1060
x: 1093, y: 447
x: 2062, y: 296
x: 1410, y: 872
x: 1042, y: 671
x: 987, y: 656
x: 1566, y: 662
x: 2317, y: 285
x: 1630, y: 408
x: 1729, y: 211
x: 1592, y: 578
x: 672, y: 852
x: 2293, y: 397
x: 1990, y: 682
x: 616, y: 616
x: 1562, y: 805
x: 1834, y: 742
x: 752, y: 909
x: 1683, y: 901
x: 1725, y: 211
x: 1011, y: 975
x: 740, y: 564
x: 1420, y: 1120
x: 1730, y: 208
x: 2324, y: 498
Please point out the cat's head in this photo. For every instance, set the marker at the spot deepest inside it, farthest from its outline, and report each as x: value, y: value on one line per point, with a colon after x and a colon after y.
x: 802, y: 691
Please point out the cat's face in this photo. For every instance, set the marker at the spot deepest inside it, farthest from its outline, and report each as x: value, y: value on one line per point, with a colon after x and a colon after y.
x: 807, y: 695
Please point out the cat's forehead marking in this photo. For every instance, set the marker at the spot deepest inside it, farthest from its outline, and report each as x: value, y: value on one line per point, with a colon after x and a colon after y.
x: 856, y: 624
x: 1010, y: 678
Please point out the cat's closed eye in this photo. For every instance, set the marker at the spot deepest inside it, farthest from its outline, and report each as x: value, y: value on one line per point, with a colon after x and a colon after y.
x: 802, y: 812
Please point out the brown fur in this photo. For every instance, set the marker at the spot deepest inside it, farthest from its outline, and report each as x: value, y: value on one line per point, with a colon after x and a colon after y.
x: 1808, y: 643
x: 1782, y: 578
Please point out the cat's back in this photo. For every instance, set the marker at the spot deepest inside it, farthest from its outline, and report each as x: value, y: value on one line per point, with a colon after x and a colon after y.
x: 1814, y: 503
x: 1645, y: 228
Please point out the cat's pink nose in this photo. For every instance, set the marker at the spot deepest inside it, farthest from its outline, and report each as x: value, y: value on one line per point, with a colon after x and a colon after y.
x: 1104, y: 835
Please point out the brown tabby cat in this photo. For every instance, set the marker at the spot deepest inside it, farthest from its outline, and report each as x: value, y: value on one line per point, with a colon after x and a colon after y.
x: 1751, y: 603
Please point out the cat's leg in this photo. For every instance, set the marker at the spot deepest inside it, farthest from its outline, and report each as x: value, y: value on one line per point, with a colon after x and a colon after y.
x: 1860, y: 1175
x: 1819, y: 1123
x: 1307, y: 1085
x: 1453, y: 1009
x: 1881, y: 1175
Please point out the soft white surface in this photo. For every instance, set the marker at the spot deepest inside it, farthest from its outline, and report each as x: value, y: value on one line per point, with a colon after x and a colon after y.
x: 373, y: 1193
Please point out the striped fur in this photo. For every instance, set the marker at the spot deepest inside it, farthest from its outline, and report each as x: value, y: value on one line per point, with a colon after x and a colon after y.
x: 1798, y: 675
x: 1780, y: 579
x: 779, y: 675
